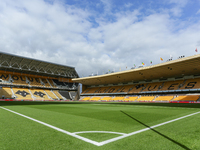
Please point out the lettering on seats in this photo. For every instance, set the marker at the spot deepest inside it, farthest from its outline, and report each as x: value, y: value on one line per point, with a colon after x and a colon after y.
x: 37, y: 80
x: 4, y: 76
x: 30, y: 79
x: 22, y: 93
x: 151, y: 89
x: 190, y: 85
x: 14, y: 77
x: 97, y: 91
x: 39, y: 94
x: 22, y: 79
x: 172, y: 86
x: 100, y: 90
x: 111, y: 90
x: 139, y: 86
x: 122, y: 90
x: 43, y: 80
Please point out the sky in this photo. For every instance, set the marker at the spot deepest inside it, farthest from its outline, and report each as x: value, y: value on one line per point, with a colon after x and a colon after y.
x: 99, y: 36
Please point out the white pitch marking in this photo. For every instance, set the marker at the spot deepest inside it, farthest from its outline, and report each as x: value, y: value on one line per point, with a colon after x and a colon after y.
x: 145, y: 129
x: 55, y: 128
x: 99, y: 132
x: 103, y: 142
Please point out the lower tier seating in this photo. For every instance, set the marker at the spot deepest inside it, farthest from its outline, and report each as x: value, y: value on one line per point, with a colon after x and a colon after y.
x: 131, y: 98
x: 187, y: 98
x: 23, y: 94
x: 146, y: 98
x: 155, y: 98
x: 6, y: 92
x: 30, y: 94
x: 164, y: 98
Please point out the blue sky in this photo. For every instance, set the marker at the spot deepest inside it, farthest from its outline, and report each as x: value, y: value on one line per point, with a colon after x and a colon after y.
x: 95, y: 36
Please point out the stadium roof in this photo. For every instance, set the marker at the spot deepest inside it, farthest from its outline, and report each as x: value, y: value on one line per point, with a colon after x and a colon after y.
x: 14, y: 63
x: 179, y: 68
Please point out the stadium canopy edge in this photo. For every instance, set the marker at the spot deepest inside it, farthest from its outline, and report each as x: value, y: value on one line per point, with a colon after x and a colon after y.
x: 186, y: 66
x: 15, y: 63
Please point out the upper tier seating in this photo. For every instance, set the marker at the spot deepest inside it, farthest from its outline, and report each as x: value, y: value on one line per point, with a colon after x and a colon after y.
x: 90, y: 90
x: 113, y: 89
x: 172, y: 85
x: 4, y: 77
x: 191, y: 84
x: 34, y: 81
x: 101, y: 89
x: 137, y: 88
x: 45, y: 83
x: 52, y: 83
x: 153, y: 86
x: 18, y: 80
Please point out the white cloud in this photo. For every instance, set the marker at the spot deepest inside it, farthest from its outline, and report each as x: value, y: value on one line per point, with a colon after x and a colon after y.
x: 177, y: 9
x: 107, y: 6
x: 65, y: 34
x: 198, y: 12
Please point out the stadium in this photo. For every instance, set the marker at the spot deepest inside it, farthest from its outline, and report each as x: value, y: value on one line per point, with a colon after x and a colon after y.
x: 154, y: 107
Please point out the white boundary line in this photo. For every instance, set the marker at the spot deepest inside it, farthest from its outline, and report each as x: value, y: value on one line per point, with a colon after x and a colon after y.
x: 98, y: 132
x: 55, y: 128
x: 94, y: 142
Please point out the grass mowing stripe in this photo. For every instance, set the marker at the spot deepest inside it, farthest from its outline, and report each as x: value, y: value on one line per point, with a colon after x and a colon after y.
x: 94, y: 142
x: 53, y: 127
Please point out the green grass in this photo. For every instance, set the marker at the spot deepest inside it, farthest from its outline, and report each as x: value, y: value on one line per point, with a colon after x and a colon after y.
x: 17, y: 132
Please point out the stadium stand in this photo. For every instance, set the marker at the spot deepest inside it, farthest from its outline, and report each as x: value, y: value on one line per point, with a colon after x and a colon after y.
x: 18, y: 80
x: 165, y: 82
x: 172, y: 85
x: 66, y: 94
x: 146, y: 98
x: 52, y: 83
x: 191, y: 84
x: 106, y: 98
x: 95, y: 98
x: 117, y: 98
x: 22, y: 93
x: 186, y: 98
x: 137, y: 88
x: 130, y: 99
x: 6, y: 92
x: 58, y: 95
x: 23, y: 78
x: 164, y: 98
x: 51, y: 94
x: 86, y: 99
x: 153, y: 86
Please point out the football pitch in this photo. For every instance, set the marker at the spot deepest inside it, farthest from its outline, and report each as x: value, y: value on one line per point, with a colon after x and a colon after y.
x: 97, y: 125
